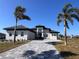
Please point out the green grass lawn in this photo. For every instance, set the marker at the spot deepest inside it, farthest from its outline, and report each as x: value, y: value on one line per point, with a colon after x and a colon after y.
x: 71, y: 51
x: 4, y: 46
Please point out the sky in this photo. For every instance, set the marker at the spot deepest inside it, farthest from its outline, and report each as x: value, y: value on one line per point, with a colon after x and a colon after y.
x: 41, y: 12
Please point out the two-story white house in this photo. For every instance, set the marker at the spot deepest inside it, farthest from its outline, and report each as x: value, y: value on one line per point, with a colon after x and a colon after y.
x: 24, y: 33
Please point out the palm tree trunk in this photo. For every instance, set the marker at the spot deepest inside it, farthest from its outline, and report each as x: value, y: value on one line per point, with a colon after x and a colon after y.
x: 15, y: 31
x: 65, y: 32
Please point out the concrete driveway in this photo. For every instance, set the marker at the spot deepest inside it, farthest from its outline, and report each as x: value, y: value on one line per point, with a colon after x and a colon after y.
x: 33, y: 50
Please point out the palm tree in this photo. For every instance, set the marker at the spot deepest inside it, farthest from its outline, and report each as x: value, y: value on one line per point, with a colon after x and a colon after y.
x: 67, y: 14
x: 19, y: 15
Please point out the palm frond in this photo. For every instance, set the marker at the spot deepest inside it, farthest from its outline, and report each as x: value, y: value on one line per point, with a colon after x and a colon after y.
x: 19, y: 13
x: 66, y: 7
x: 70, y: 19
x: 72, y: 10
x: 20, y: 9
x: 59, y: 21
x: 77, y: 10
x: 75, y: 16
x: 26, y: 17
x: 60, y: 16
x: 67, y: 25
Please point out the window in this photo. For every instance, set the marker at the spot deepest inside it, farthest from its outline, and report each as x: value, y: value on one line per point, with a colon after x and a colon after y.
x: 22, y: 33
x: 10, y: 34
x: 54, y: 34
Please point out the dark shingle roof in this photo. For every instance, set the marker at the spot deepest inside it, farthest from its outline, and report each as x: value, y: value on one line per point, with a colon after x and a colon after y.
x: 19, y: 27
x: 13, y: 27
x: 51, y: 31
x: 40, y: 26
x: 2, y: 34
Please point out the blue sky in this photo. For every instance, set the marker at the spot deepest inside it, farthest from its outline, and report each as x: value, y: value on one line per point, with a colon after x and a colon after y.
x: 42, y: 12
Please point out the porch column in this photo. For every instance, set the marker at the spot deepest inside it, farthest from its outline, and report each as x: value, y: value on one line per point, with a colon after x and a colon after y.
x: 42, y: 33
x: 37, y: 31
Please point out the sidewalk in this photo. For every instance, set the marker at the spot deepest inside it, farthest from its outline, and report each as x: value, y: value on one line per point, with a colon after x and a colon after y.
x: 32, y: 50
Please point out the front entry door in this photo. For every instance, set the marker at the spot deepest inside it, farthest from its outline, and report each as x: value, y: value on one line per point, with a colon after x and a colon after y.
x: 40, y: 35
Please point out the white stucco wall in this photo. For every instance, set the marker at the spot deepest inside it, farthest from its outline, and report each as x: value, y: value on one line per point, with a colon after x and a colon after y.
x: 27, y: 35
x: 50, y: 36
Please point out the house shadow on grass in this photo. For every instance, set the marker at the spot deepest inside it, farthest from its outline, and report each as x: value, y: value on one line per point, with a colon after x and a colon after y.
x: 43, y: 55
x: 67, y: 54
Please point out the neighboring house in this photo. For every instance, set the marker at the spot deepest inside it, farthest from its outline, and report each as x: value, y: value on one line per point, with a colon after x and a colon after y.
x: 39, y: 32
x: 2, y: 36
